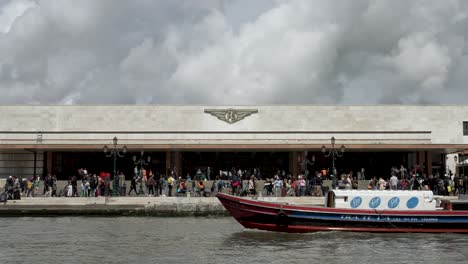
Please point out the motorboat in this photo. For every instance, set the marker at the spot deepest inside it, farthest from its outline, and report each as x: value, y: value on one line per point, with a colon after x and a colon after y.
x: 355, y: 211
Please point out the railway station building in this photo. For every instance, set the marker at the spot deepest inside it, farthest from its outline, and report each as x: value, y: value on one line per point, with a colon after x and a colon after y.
x: 59, y: 139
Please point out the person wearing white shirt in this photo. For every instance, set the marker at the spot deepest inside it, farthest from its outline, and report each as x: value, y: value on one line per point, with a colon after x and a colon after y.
x: 394, y: 182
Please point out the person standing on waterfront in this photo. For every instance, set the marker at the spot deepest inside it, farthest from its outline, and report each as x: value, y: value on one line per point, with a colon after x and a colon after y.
x: 268, y: 187
x: 29, y: 187
x: 93, y: 185
x: 415, y: 184
x: 302, y: 185
x: 74, y: 186
x: 382, y: 184
x: 163, y: 184
x: 170, y: 184
x: 252, y: 186
x: 234, y: 183
x: 157, y: 178
x: 133, y: 186
x: 69, y: 189
x: 465, y: 184
x: 201, y: 188
x: 150, y: 174
x: 393, y: 182
x: 318, y: 185
x: 54, y: 186
x: 45, y: 185
x: 36, y: 184
x: 278, y: 184
x: 151, y: 184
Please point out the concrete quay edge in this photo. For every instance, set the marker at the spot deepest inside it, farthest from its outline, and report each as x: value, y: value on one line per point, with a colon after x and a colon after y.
x: 130, y: 206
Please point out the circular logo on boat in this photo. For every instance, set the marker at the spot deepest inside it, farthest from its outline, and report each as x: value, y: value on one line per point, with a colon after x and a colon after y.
x: 374, y: 202
x: 356, y: 202
x: 412, y: 202
x: 394, y: 202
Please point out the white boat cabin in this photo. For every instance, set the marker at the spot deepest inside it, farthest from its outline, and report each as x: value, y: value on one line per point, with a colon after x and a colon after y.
x: 381, y: 200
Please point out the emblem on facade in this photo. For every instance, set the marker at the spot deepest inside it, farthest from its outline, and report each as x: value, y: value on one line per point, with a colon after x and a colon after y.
x: 231, y: 115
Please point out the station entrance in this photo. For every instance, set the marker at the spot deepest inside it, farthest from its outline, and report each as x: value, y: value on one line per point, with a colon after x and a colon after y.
x: 377, y: 163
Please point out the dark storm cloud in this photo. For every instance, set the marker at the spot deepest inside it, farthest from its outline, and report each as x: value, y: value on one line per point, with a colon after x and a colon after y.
x: 233, y: 51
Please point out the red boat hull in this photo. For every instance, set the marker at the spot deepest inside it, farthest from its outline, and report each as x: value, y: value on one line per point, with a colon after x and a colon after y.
x: 270, y: 216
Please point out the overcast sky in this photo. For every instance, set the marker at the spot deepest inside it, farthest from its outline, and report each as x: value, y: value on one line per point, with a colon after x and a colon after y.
x: 233, y: 52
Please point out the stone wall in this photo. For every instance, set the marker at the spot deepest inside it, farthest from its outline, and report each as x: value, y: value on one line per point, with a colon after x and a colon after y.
x: 169, y: 125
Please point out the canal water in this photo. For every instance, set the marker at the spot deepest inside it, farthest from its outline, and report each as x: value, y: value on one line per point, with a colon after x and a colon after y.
x: 136, y: 240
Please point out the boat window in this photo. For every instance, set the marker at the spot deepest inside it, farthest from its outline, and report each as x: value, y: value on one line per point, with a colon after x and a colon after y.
x: 346, y: 198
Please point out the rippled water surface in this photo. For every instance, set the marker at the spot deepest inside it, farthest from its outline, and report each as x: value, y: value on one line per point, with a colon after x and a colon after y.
x: 137, y: 240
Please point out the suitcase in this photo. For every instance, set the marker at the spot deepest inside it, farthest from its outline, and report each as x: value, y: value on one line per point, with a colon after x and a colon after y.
x: 16, y: 195
x: 3, y: 198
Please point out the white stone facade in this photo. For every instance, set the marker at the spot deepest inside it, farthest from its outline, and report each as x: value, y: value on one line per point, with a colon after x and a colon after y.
x: 164, y: 126
x: 28, y: 133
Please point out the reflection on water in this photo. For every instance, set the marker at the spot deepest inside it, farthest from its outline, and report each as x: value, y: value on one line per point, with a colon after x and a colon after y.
x: 209, y: 240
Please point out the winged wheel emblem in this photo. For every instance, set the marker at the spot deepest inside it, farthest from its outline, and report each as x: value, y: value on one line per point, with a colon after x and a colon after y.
x: 231, y: 115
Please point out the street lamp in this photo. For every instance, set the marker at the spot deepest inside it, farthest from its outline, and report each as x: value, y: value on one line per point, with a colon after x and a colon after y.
x: 141, y: 161
x: 114, y: 152
x: 455, y: 158
x: 462, y: 162
x: 308, y: 162
x: 334, y: 152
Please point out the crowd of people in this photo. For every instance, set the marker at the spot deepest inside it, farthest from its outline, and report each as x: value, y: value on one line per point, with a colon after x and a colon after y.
x: 402, y: 179
x: 236, y: 181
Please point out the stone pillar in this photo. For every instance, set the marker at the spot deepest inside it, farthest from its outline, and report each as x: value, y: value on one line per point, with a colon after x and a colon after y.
x: 49, y: 162
x: 301, y: 161
x: 429, y: 162
x: 168, y: 163
x: 293, y: 163
x: 174, y: 159
x: 421, y: 157
x: 177, y: 162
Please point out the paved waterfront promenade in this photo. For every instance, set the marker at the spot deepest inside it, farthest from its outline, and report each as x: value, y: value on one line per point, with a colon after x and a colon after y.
x: 129, y: 206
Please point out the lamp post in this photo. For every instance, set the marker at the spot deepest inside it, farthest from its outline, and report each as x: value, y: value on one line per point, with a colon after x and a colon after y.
x: 462, y: 161
x: 308, y: 162
x: 334, y: 152
x: 141, y: 161
x: 115, y: 152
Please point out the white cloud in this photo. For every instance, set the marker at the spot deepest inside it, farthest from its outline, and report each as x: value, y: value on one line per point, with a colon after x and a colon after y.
x: 233, y: 51
x: 11, y: 11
